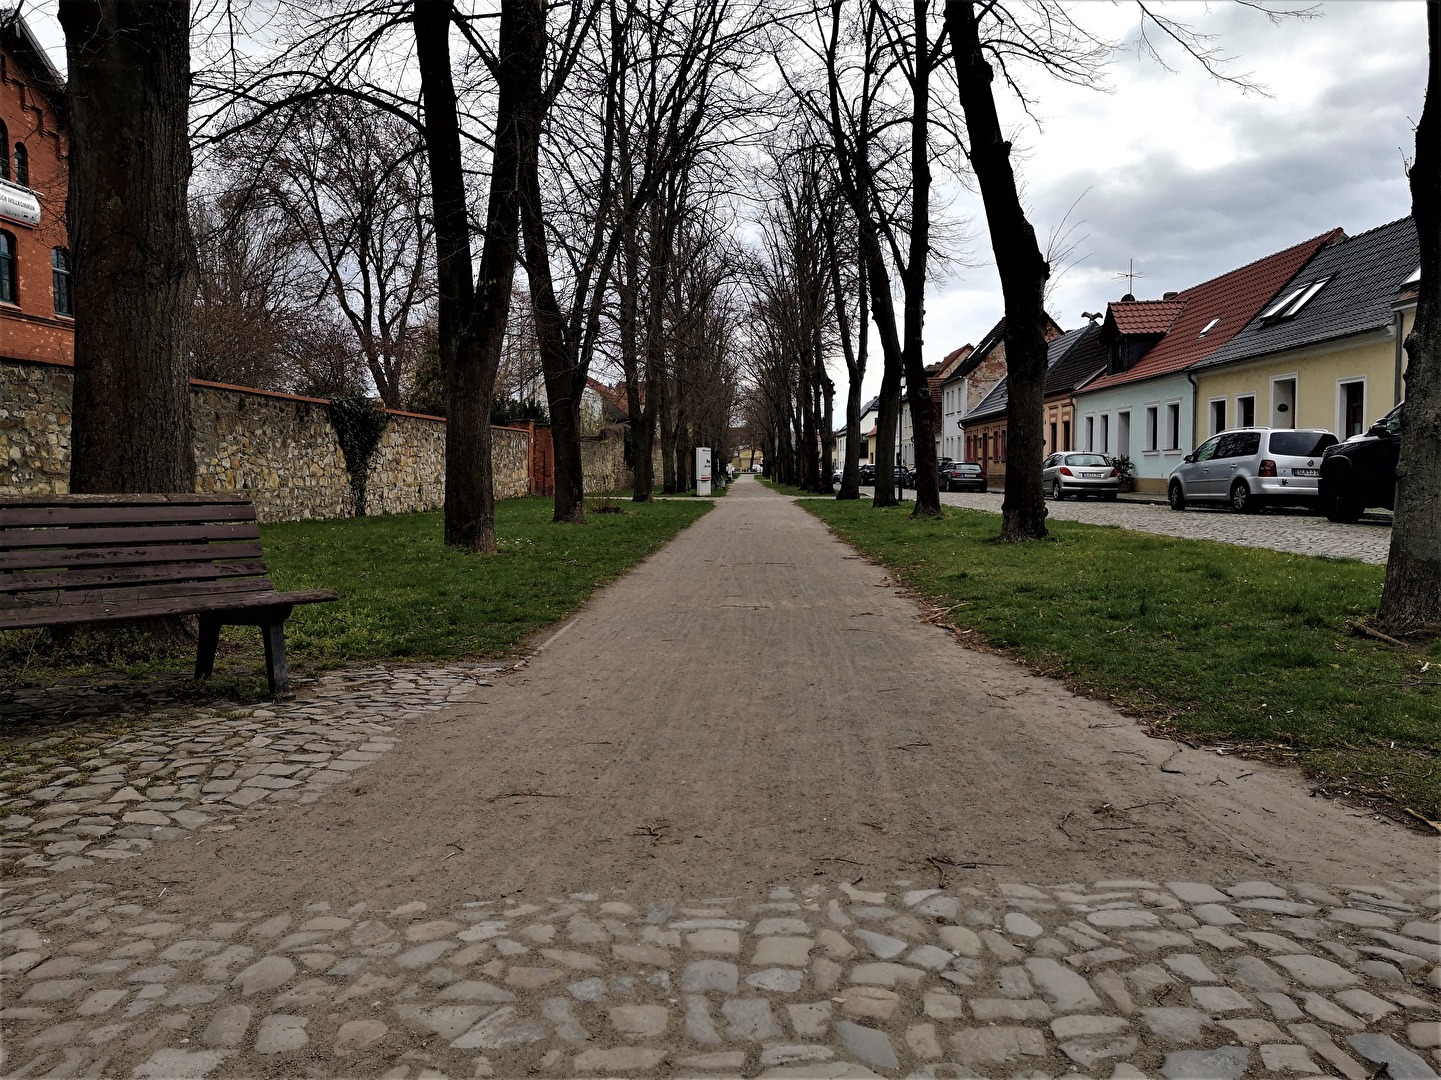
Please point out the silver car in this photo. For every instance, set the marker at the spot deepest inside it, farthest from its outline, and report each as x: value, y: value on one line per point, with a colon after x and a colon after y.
x: 1252, y: 467
x: 1080, y: 474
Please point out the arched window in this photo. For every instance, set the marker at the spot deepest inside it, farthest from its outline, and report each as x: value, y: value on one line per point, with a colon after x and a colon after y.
x: 60, y: 279
x: 4, y: 158
x: 22, y: 165
x: 9, y: 288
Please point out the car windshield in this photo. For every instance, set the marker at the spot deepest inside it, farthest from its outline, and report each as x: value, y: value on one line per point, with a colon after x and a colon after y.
x: 1300, y: 443
x: 1085, y: 459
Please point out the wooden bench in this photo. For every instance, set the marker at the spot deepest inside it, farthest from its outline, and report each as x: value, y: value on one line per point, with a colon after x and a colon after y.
x: 67, y: 560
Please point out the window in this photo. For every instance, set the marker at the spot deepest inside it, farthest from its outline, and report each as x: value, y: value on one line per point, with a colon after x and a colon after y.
x: 1218, y: 415
x: 1152, y: 441
x: 1299, y: 443
x: 1246, y: 410
x: 1090, y: 433
x: 1293, y: 301
x: 9, y: 288
x: 1208, y: 327
x: 60, y: 280
x: 1123, y: 434
x: 1173, y: 425
x: 1207, y: 450
x: 4, y: 158
x: 1105, y: 433
x: 1353, y: 408
x: 1066, y: 434
x: 1053, y: 447
x: 22, y: 165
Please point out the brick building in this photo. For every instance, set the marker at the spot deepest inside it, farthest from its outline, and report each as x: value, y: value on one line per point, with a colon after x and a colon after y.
x: 36, y: 299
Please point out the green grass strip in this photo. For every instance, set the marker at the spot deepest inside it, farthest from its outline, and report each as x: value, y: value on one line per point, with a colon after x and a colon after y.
x: 1224, y: 644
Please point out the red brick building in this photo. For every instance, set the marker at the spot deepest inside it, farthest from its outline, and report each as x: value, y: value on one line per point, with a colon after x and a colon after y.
x: 36, y: 300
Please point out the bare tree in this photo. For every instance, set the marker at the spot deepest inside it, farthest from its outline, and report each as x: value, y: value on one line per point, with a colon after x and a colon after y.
x: 1411, y: 601
x: 134, y: 264
x: 472, y: 308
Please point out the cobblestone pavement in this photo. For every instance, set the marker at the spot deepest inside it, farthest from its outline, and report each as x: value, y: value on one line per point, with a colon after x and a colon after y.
x: 104, y: 775
x: 1117, y: 978
x: 1302, y: 534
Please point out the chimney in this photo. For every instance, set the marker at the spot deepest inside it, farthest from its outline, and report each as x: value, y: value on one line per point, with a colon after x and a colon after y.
x: 1170, y: 295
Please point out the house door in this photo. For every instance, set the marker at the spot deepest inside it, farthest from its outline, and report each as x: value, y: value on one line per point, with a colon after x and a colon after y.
x: 1283, y: 403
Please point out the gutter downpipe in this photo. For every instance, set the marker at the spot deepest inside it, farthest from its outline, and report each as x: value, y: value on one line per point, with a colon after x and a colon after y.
x: 1400, y: 346
x: 1195, y: 401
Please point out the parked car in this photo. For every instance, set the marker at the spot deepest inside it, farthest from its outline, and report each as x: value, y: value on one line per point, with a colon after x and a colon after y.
x: 1251, y: 468
x: 1072, y: 473
x: 1361, y: 472
x: 907, y: 478
x: 757, y: 468
x: 868, y: 472
x: 963, y: 476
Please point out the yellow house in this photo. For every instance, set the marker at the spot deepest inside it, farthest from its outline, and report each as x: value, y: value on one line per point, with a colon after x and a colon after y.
x: 1327, y: 351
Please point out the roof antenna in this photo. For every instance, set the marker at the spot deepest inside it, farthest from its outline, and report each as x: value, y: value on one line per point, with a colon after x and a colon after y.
x: 1130, y: 275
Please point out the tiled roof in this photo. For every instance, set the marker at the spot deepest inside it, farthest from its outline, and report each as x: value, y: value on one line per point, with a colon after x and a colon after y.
x: 1086, y: 356
x: 1232, y: 300
x: 994, y: 336
x: 1058, y: 352
x: 1363, y: 277
x: 1145, y: 316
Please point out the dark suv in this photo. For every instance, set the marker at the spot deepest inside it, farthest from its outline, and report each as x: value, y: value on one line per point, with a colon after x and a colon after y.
x: 1361, y: 472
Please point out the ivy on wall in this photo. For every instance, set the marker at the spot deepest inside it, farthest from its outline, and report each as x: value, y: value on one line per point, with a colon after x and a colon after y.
x: 359, y: 424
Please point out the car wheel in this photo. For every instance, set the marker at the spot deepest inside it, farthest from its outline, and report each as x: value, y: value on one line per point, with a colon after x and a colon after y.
x: 1242, y: 501
x: 1056, y: 490
x: 1343, y: 510
x: 1176, y: 495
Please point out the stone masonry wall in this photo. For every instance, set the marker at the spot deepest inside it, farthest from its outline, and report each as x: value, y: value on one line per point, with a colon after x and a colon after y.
x: 602, y: 459
x: 278, y: 448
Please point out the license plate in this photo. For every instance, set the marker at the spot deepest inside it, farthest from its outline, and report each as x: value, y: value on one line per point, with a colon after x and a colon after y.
x: 1305, y: 472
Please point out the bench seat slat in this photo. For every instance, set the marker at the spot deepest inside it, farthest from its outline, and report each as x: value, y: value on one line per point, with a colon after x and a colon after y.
x: 52, y: 559
x: 57, y: 598
x: 12, y: 516
x: 72, y: 537
x: 102, y: 576
x: 64, y: 614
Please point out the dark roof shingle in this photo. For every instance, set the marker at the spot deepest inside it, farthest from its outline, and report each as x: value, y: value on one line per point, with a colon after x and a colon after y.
x: 1058, y: 355
x: 1363, y: 275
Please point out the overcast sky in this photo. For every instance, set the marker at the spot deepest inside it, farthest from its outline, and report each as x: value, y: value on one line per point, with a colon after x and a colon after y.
x: 1187, y: 177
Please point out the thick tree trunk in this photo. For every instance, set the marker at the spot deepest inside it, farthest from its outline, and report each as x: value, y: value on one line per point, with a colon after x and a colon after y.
x: 1411, y: 601
x: 471, y: 320
x: 828, y: 433
x: 856, y: 370
x: 1023, y: 271
x: 133, y: 256
x: 888, y: 422
x: 918, y: 389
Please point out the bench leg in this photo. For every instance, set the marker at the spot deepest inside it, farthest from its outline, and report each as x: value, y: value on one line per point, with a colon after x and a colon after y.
x: 205, y: 648
x: 275, y: 669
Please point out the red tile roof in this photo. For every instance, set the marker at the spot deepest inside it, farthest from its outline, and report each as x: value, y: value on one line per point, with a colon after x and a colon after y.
x: 1234, y: 298
x: 1145, y: 316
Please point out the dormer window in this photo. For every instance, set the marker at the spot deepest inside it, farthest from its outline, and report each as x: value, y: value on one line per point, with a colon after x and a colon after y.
x: 1414, y: 279
x: 1208, y: 327
x: 1289, y: 305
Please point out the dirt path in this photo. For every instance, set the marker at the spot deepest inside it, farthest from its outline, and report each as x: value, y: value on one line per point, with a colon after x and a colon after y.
x: 756, y: 703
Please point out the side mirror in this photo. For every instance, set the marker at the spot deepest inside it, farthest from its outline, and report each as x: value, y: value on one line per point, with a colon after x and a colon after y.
x: 1189, y: 458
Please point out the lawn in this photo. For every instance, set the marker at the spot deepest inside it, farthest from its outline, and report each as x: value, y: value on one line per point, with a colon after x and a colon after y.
x: 405, y: 597
x: 1223, y: 645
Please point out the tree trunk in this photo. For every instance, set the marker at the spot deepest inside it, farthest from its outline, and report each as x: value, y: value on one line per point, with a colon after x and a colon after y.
x: 471, y: 321
x: 1023, y: 271
x: 1411, y: 600
x: 856, y: 370
x: 134, y: 259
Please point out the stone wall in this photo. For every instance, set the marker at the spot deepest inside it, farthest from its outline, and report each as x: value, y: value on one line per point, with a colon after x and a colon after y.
x: 278, y: 448
x: 602, y: 459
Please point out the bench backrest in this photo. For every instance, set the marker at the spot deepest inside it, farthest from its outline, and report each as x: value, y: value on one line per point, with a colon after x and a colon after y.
x: 82, y: 549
